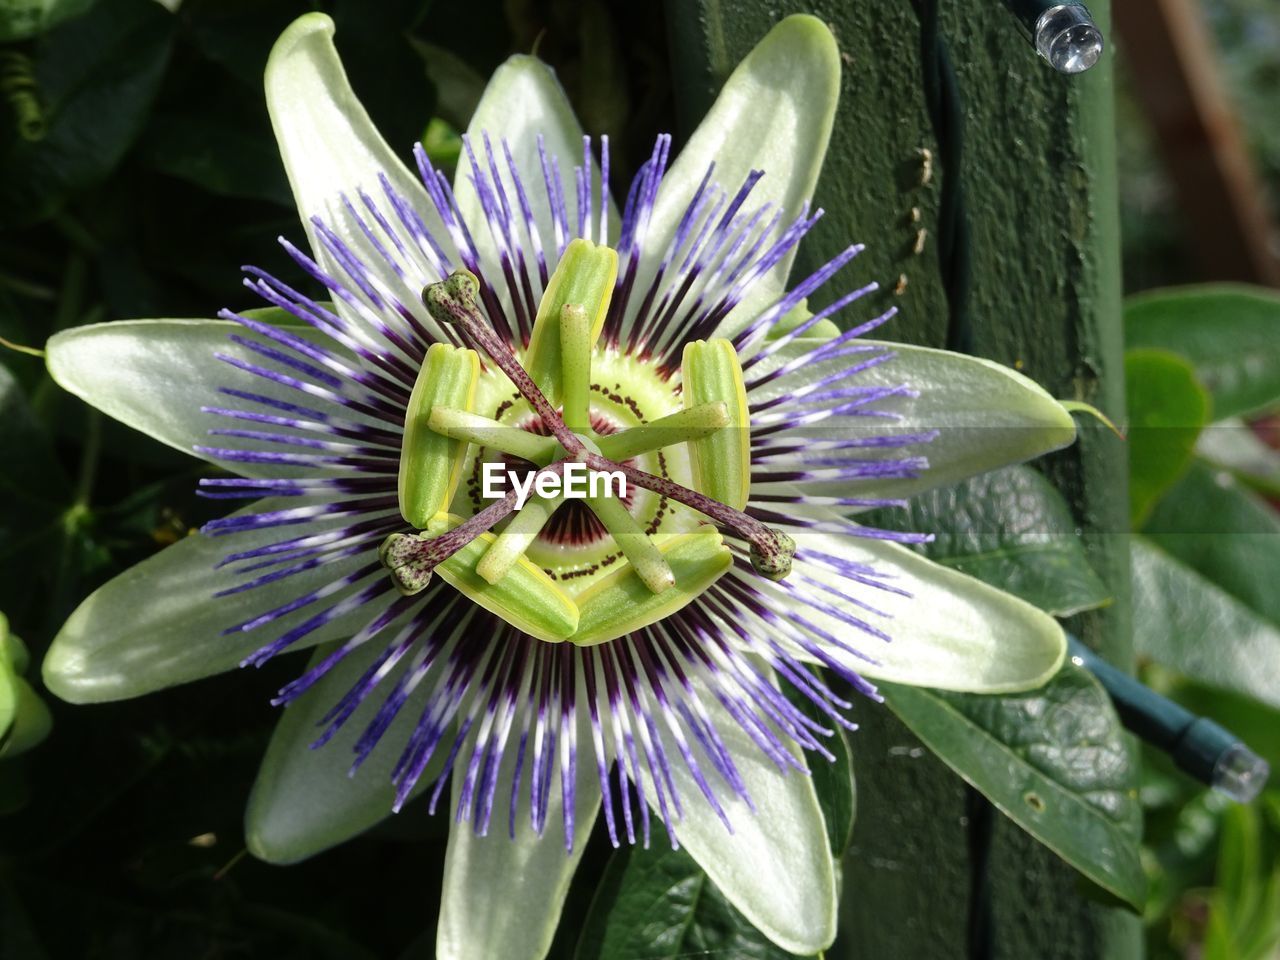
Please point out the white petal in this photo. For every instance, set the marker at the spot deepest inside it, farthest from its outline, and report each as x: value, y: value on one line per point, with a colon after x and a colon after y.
x: 330, y: 148
x: 774, y: 114
x: 986, y: 415
x: 952, y: 631
x: 776, y: 866
x: 502, y: 895
x: 523, y: 100
x: 158, y: 624
x: 155, y: 375
x: 304, y: 800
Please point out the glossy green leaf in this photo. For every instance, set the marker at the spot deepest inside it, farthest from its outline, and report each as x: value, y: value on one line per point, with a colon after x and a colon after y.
x: 1223, y: 531
x: 96, y: 78
x: 1229, y: 332
x: 1010, y: 528
x: 1233, y: 445
x: 1189, y: 623
x: 658, y: 904
x: 1168, y: 407
x: 306, y: 800
x: 1054, y: 760
x: 985, y: 414
x: 158, y: 624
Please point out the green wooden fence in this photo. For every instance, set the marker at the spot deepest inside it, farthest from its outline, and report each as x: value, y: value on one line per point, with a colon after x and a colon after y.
x: 1038, y: 180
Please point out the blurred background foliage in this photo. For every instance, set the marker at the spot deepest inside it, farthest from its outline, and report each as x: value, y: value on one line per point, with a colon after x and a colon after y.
x: 138, y: 172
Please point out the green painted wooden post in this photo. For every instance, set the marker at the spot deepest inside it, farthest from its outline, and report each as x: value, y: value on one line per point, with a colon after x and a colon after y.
x: 1038, y: 171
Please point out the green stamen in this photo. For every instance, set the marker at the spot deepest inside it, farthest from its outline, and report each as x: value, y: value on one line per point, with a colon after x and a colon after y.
x: 431, y: 464
x: 721, y: 460
x: 486, y: 432
x: 585, y: 276
x: 636, y: 545
x: 692, y: 423
x: 622, y: 602
x: 575, y: 366
x: 509, y: 545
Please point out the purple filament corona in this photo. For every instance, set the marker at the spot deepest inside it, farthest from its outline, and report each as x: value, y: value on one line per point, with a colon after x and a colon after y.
x: 313, y: 418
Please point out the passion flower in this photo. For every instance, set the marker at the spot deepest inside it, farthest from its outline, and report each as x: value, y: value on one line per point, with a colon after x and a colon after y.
x: 625, y: 653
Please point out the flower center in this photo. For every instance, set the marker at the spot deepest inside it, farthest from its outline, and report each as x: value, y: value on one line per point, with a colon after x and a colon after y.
x: 575, y: 548
x: 592, y: 563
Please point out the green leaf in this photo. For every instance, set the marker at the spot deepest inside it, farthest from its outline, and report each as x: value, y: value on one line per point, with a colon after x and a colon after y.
x: 1054, y: 760
x: 659, y: 905
x: 96, y: 77
x: 1189, y: 623
x: 217, y: 150
x: 1203, y: 602
x: 1229, y: 332
x: 21, y: 19
x: 1232, y: 444
x: 1010, y: 528
x: 1244, y: 910
x: 1167, y: 410
x: 1210, y: 522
